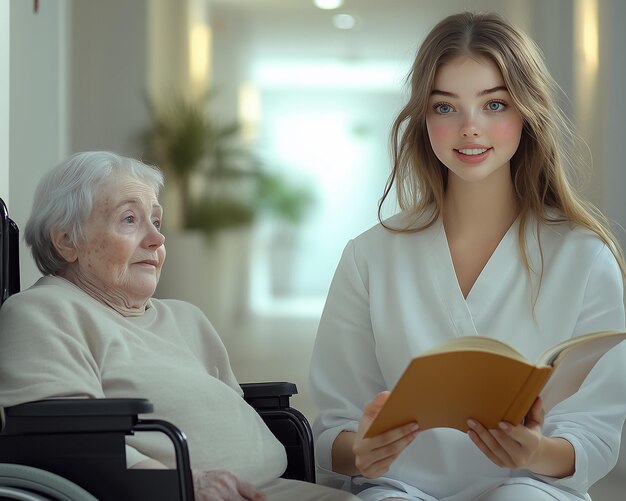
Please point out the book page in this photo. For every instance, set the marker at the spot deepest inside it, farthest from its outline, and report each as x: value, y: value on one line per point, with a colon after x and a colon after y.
x: 477, y: 343
x: 551, y: 354
x: 573, y: 364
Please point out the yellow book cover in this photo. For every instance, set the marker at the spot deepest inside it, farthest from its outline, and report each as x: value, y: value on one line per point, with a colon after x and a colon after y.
x: 487, y: 380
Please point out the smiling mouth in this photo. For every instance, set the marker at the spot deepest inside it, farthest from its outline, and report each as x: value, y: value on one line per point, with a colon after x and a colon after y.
x: 472, y: 151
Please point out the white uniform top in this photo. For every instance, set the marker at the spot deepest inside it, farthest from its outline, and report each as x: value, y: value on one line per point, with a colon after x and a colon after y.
x: 395, y: 295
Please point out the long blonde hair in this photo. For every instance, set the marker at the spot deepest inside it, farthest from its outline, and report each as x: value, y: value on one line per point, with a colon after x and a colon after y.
x: 542, y: 163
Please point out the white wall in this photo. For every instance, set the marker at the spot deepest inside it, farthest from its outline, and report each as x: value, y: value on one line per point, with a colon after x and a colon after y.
x: 611, y: 112
x: 167, y: 50
x: 555, y: 40
x: 109, y: 75
x: 609, y: 117
x: 4, y: 99
x: 38, y: 113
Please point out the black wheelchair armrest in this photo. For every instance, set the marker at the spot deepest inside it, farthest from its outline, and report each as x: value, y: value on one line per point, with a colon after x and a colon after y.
x: 291, y: 428
x: 269, y: 395
x: 82, y: 439
x: 82, y: 407
x: 75, y: 414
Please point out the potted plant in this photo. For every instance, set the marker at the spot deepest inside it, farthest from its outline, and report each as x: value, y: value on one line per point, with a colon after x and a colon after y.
x: 220, y: 190
x: 204, y: 160
x: 287, y: 205
x: 220, y: 184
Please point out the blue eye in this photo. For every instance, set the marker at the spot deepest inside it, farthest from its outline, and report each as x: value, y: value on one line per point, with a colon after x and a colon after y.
x: 129, y: 219
x: 496, y: 106
x: 443, y: 108
x: 157, y: 224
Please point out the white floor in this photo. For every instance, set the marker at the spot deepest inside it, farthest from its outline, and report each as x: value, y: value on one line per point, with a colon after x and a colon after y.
x: 280, y: 350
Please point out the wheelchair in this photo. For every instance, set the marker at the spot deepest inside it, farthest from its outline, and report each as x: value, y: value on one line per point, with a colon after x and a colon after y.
x: 74, y: 449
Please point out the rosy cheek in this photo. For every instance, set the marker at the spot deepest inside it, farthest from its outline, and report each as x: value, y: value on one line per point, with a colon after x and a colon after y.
x: 507, y: 130
x: 438, y: 133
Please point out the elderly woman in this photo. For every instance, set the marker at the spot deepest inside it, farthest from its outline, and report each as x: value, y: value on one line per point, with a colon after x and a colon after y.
x: 95, y: 234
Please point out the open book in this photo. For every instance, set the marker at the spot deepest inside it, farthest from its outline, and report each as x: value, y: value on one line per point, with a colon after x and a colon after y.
x: 487, y: 380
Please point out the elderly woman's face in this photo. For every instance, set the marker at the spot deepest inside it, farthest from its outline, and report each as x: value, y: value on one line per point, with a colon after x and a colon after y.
x: 122, y: 253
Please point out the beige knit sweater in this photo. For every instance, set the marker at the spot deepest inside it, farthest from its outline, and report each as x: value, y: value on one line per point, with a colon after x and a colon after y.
x: 57, y: 341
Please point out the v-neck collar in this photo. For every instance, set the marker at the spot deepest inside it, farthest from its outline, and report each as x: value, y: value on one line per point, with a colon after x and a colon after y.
x: 464, y: 311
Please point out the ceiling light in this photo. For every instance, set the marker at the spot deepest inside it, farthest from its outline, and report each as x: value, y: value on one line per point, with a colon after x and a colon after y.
x: 384, y: 75
x: 344, y: 21
x: 328, y: 4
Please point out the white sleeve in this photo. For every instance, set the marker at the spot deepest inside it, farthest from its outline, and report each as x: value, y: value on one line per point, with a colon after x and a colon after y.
x: 592, y: 418
x: 344, y: 370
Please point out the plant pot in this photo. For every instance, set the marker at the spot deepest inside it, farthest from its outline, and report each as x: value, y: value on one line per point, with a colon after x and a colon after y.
x: 212, y: 273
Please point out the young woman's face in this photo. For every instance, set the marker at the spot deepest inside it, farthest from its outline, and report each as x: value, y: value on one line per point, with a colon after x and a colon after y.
x: 473, y: 127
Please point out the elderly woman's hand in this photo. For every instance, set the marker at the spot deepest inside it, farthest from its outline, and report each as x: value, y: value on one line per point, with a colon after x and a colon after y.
x: 222, y: 485
x: 213, y: 485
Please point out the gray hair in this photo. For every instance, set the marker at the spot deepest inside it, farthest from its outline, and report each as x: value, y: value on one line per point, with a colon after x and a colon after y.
x: 64, y: 199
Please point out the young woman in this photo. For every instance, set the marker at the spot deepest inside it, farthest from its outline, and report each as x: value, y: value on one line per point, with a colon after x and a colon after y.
x: 491, y: 240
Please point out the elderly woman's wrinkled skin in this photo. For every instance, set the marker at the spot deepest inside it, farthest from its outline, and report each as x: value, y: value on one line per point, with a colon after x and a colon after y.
x: 119, y: 260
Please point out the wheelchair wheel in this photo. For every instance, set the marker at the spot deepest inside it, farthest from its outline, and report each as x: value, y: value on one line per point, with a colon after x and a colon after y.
x: 25, y: 483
